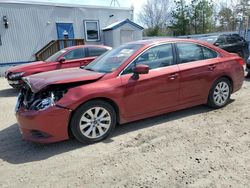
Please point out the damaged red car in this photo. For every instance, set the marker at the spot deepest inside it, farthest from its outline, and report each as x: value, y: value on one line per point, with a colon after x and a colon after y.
x: 74, y: 56
x: 134, y: 81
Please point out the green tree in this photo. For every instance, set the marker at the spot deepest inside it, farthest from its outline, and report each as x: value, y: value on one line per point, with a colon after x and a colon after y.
x: 227, y: 18
x: 202, y: 16
x: 180, y: 18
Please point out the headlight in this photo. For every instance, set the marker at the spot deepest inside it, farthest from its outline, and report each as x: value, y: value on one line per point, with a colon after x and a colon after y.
x: 44, y: 100
x: 16, y: 75
x: 43, y: 104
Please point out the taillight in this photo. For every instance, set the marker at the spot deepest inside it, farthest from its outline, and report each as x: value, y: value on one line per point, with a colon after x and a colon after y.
x: 240, y: 61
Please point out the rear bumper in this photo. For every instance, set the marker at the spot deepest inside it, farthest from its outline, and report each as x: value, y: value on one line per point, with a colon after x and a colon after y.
x: 238, y: 80
x: 46, y: 126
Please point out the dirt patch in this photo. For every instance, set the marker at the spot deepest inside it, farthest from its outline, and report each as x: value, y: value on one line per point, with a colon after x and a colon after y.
x: 196, y: 147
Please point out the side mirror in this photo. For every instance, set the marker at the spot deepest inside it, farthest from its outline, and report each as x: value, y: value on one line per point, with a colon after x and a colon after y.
x: 61, y: 60
x: 140, y: 69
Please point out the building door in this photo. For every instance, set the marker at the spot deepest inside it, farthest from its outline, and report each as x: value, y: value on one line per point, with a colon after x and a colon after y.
x: 65, y: 31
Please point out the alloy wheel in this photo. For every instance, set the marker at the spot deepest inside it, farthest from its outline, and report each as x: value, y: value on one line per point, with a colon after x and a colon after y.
x: 95, y: 122
x: 221, y: 93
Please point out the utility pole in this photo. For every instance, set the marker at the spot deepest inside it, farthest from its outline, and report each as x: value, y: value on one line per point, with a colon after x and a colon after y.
x: 114, y: 3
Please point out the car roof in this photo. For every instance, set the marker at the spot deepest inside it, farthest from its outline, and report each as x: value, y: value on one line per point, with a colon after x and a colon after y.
x: 86, y: 46
x: 170, y: 40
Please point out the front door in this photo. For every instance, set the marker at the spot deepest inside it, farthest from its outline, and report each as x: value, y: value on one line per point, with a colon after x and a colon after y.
x: 73, y: 58
x: 157, y: 90
x: 65, y: 31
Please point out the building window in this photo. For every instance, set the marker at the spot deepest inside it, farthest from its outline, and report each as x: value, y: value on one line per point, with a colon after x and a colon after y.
x: 92, y: 32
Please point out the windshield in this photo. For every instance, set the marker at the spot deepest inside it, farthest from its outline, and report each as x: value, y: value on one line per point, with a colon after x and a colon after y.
x: 111, y: 60
x: 55, y: 56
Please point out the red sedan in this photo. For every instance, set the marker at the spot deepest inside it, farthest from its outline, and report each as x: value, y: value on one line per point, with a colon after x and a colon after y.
x: 74, y: 56
x: 134, y: 81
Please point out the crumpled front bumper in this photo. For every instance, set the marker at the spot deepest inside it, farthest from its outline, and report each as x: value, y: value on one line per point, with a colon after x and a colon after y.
x: 47, y: 126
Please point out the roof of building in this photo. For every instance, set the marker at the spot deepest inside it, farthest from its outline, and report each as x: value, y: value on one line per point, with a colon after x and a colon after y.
x: 115, y: 25
x: 28, y: 2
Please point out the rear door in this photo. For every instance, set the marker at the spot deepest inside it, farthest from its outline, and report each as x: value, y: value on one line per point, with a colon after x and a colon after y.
x: 197, y: 66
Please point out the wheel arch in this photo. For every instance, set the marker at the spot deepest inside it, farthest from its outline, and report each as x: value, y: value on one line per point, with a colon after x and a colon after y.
x: 222, y: 76
x: 230, y: 80
x: 110, y: 101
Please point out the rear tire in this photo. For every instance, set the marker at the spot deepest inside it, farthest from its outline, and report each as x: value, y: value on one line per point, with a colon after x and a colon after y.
x: 93, y: 121
x: 220, y: 93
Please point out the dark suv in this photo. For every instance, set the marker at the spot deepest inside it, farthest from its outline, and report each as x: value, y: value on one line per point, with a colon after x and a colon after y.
x: 248, y: 67
x: 230, y: 42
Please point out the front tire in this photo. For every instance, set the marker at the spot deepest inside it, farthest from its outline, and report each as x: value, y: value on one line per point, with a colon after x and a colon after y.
x: 93, y: 121
x: 220, y: 93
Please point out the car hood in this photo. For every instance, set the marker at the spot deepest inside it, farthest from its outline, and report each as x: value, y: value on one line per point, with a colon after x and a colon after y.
x: 39, y: 81
x: 27, y: 66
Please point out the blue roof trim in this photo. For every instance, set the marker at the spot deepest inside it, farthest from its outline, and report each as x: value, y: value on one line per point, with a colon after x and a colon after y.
x: 122, y: 23
x: 14, y: 63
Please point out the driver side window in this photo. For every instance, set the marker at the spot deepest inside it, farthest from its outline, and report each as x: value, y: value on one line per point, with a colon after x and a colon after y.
x: 155, y: 57
x: 75, y: 54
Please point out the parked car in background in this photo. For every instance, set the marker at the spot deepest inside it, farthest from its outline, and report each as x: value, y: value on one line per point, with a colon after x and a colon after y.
x: 131, y: 82
x: 232, y: 43
x: 74, y: 56
x: 248, y: 67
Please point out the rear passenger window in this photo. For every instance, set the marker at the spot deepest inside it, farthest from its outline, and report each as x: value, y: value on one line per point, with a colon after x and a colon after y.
x: 231, y: 40
x: 209, y: 54
x: 189, y: 52
x: 96, y: 51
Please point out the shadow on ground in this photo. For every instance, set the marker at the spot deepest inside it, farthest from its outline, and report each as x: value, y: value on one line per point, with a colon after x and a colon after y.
x: 17, y: 151
x: 10, y: 92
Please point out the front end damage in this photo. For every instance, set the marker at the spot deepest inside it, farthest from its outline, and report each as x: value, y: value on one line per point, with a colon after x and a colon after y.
x: 39, y: 118
x: 39, y: 115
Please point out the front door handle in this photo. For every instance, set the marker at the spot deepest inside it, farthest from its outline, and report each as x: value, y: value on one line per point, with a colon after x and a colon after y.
x: 211, y: 67
x: 173, y: 76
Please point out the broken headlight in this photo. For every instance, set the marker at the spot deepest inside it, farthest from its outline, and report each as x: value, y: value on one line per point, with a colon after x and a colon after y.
x: 42, y: 100
x: 16, y: 75
x: 43, y: 104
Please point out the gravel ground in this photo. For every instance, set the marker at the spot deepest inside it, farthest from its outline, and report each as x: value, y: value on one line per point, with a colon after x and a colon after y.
x: 196, y: 147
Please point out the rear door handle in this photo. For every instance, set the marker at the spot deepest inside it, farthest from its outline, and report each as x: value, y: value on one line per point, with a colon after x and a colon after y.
x: 173, y: 76
x: 211, y: 67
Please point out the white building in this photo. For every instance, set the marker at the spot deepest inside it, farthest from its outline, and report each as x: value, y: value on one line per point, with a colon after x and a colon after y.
x: 122, y: 32
x: 27, y: 27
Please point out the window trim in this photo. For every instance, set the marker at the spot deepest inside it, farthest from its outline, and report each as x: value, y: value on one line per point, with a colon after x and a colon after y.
x: 98, y: 30
x: 178, y: 57
x: 154, y: 45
